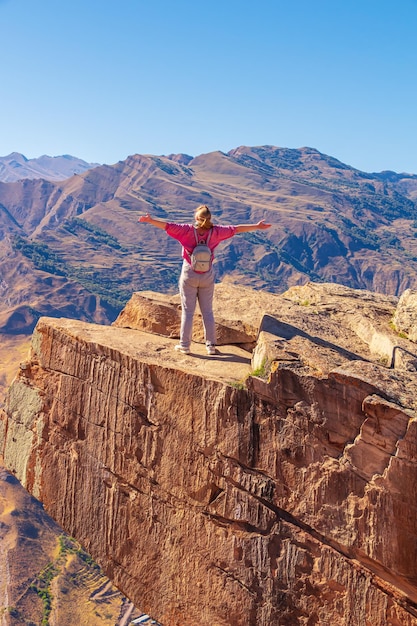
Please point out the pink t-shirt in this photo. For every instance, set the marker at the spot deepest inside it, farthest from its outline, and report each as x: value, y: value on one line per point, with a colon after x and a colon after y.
x: 184, y: 233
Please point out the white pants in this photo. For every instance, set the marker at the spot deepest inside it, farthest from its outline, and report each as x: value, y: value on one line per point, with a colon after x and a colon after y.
x: 195, y: 286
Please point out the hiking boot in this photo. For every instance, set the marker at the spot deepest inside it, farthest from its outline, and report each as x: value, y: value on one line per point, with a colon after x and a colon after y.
x: 182, y: 349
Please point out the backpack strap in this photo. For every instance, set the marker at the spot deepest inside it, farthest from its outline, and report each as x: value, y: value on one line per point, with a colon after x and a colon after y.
x: 206, y: 241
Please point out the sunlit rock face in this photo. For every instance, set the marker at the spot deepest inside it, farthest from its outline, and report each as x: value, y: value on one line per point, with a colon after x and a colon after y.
x: 273, y: 486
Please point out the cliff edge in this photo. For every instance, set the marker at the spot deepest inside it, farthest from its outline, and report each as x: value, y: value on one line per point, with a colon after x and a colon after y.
x: 274, y: 483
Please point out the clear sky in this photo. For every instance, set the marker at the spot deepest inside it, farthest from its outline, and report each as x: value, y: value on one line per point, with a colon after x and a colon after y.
x: 102, y: 79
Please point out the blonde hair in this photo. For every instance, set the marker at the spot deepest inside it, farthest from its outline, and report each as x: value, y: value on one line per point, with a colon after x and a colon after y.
x: 202, y: 217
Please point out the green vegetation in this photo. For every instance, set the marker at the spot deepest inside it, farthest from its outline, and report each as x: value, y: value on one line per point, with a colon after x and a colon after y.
x: 41, y: 255
x: 169, y: 168
x: 42, y: 588
x: 400, y: 333
x: 362, y: 237
x: 391, y: 207
x: 383, y: 360
x: 237, y: 384
x: 42, y: 584
x: 68, y: 545
x: 260, y: 239
x: 103, y: 283
x: 98, y: 235
x: 99, y: 282
x: 262, y: 371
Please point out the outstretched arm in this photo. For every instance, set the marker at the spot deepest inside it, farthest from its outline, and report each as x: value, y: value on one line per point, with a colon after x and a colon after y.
x: 153, y: 221
x: 248, y: 228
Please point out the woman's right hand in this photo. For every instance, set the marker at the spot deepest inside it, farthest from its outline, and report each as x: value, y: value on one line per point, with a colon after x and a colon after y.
x: 145, y: 218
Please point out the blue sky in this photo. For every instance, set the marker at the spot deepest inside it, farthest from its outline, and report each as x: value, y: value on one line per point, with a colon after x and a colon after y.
x: 104, y: 79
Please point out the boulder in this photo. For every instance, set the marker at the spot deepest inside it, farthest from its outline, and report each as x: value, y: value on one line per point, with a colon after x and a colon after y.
x: 405, y: 317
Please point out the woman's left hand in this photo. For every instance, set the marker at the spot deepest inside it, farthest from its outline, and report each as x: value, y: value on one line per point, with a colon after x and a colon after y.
x: 262, y: 225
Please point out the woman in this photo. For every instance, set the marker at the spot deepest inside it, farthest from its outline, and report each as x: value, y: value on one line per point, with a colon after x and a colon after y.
x: 196, y: 285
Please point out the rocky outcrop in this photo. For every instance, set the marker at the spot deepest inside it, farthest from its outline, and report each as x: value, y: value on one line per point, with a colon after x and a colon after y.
x: 245, y: 489
x: 161, y: 314
x: 405, y: 318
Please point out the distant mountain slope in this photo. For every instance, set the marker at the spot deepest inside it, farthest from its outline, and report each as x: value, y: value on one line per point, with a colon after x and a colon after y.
x: 16, y: 166
x: 45, y: 576
x: 75, y: 248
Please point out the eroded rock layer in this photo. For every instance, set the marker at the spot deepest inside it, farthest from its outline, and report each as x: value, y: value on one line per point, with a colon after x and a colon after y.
x: 211, y: 495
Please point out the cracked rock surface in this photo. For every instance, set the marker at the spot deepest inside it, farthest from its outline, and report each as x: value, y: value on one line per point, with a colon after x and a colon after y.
x: 273, y: 486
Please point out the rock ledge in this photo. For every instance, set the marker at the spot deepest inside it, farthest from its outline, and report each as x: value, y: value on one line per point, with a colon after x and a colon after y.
x: 248, y: 489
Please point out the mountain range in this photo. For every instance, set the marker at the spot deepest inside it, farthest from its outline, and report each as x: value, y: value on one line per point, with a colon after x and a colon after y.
x: 75, y: 248
x: 16, y: 166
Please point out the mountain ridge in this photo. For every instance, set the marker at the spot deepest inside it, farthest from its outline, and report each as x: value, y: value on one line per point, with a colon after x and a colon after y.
x: 16, y: 166
x: 331, y: 222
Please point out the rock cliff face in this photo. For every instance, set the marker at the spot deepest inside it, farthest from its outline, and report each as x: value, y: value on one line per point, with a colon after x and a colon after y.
x: 277, y: 487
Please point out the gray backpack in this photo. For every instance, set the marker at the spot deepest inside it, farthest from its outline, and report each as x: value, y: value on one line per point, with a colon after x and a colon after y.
x: 201, y: 256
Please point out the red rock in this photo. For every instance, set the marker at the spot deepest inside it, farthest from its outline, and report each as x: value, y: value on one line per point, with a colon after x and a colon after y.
x: 210, y: 496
